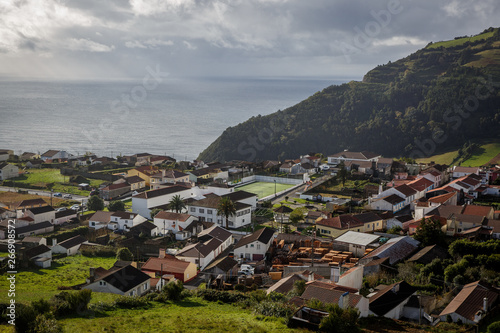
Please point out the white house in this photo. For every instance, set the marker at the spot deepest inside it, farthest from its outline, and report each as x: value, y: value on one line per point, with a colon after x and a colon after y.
x: 144, y: 202
x: 351, y: 156
x: 212, y: 242
x: 55, y: 154
x: 124, y: 220
x: 254, y: 246
x: 41, y: 255
x: 100, y: 219
x: 206, y: 210
x: 69, y: 247
x: 64, y: 216
x: 460, y: 171
x: 40, y: 214
x: 8, y: 171
x: 128, y: 281
x: 390, y: 302
x: 174, y: 222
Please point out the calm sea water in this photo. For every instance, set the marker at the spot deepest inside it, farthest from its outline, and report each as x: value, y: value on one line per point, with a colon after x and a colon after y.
x: 180, y: 117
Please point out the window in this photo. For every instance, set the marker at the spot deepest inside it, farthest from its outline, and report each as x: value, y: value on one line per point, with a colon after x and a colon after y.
x: 209, y: 211
x: 192, y: 209
x: 251, y: 245
x: 145, y: 285
x: 202, y: 210
x: 258, y: 246
x: 209, y: 219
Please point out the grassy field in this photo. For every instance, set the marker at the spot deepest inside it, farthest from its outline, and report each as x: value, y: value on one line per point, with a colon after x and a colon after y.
x: 42, y: 177
x: 480, y: 156
x: 461, y: 41
x: 262, y: 189
x: 33, y: 284
x: 191, y: 315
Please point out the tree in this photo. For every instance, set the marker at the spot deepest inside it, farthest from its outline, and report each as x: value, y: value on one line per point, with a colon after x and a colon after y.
x: 226, y: 208
x: 116, y: 206
x: 176, y: 204
x: 429, y: 232
x: 153, y: 212
x: 342, y: 173
x: 95, y: 203
x: 124, y: 254
x: 297, y: 215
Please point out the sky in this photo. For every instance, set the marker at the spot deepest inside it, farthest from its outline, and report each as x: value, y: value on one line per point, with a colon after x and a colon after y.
x: 113, y: 39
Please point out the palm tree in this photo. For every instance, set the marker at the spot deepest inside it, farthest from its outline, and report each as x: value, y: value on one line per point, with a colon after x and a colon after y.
x: 226, y: 208
x: 176, y: 203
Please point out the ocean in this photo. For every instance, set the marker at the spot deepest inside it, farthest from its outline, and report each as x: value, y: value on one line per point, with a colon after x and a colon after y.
x: 177, y: 117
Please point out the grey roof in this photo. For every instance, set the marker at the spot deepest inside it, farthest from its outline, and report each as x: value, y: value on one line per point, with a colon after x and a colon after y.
x: 33, y: 227
x: 263, y: 235
x: 225, y: 264
x: 41, y: 210
x: 36, y: 251
x: 357, y: 238
x: 396, y: 249
x: 126, y: 278
x: 72, y: 242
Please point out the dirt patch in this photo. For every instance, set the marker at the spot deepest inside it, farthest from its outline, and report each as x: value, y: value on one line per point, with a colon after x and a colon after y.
x: 495, y: 160
x: 9, y: 198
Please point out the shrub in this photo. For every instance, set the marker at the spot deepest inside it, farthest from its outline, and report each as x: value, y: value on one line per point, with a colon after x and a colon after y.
x: 494, y: 327
x: 124, y: 254
x: 66, y: 303
x: 223, y: 296
x: 46, y: 323
x: 173, y: 290
x: 99, y: 251
x: 25, y: 318
x: 274, y: 296
x: 274, y: 309
x: 239, y: 287
x: 130, y: 302
x: 41, y: 306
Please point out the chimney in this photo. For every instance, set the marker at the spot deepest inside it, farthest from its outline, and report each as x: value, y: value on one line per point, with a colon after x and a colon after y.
x: 344, y: 300
x: 91, y: 275
x: 54, y: 241
x: 485, y: 304
x: 310, y: 277
x: 395, y: 289
x: 162, y: 253
x: 380, y: 190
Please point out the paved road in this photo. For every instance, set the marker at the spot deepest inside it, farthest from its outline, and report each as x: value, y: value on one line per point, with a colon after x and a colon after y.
x: 80, y: 198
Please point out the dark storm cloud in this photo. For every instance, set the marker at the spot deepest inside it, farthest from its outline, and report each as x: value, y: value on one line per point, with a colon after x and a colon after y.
x: 242, y: 37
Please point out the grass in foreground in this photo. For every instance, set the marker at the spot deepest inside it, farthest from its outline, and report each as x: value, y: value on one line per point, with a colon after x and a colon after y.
x: 33, y: 284
x: 191, y: 315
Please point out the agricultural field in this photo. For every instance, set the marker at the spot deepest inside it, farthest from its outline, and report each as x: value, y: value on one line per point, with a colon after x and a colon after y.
x: 33, y: 284
x: 40, y: 178
x: 8, y: 198
x: 480, y: 156
x: 262, y: 189
x: 461, y: 41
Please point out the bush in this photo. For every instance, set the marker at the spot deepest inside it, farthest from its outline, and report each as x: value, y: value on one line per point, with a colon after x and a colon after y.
x: 124, y: 254
x: 223, y: 296
x: 46, y: 324
x: 130, y: 302
x: 99, y: 251
x: 239, y: 287
x: 25, y: 318
x: 66, y: 303
x: 274, y: 309
x: 494, y: 327
x: 173, y: 290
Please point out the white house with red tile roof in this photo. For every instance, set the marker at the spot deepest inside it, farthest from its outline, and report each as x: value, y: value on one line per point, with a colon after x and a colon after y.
x: 171, y: 221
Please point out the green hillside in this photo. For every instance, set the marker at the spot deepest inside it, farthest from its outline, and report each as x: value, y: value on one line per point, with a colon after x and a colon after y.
x: 427, y: 103
x: 480, y: 155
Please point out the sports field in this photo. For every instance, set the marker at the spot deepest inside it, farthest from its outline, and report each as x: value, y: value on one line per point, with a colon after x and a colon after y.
x: 262, y: 189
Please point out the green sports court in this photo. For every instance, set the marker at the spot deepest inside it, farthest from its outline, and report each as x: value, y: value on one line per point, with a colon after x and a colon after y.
x: 262, y: 189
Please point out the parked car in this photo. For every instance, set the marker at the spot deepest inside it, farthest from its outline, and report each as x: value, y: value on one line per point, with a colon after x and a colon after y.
x: 245, y: 272
x: 61, y: 209
x: 75, y: 207
x: 57, y: 194
x: 68, y: 196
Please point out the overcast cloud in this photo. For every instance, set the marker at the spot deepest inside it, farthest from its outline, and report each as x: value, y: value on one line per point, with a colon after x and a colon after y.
x: 74, y: 39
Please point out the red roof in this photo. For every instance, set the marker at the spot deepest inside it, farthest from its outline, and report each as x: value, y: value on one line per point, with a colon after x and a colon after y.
x: 341, y: 222
x: 477, y: 210
x: 166, y: 265
x: 442, y: 198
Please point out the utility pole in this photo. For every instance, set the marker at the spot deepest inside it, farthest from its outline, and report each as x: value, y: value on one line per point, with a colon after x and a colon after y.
x: 312, y: 252
x: 419, y: 309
